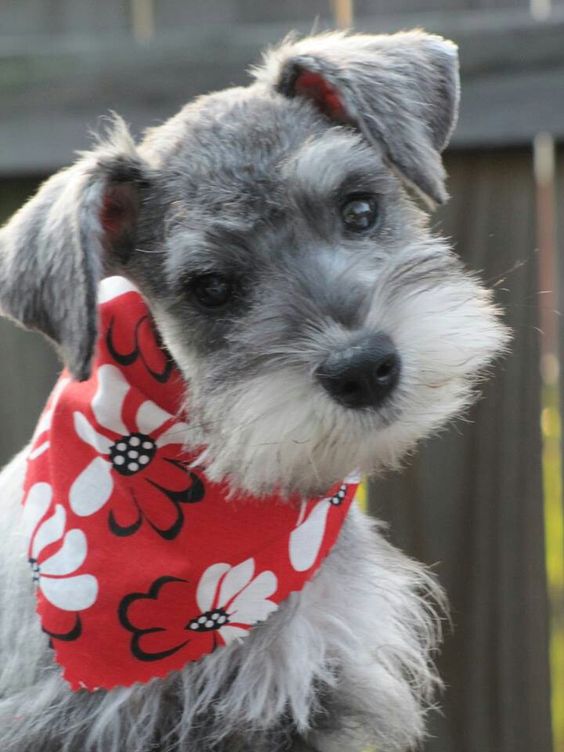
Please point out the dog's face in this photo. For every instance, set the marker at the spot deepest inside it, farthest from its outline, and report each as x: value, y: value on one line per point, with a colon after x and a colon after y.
x: 319, y: 324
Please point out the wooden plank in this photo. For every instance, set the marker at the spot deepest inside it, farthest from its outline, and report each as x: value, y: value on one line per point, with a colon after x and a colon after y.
x: 51, y: 99
x: 52, y: 93
x: 33, y: 18
x: 470, y: 502
x: 171, y: 14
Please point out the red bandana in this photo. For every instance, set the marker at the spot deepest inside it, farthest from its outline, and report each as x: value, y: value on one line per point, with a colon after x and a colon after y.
x: 141, y: 563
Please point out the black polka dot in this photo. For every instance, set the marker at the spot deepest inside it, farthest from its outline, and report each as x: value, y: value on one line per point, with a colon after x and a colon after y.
x: 132, y: 453
x: 208, y: 621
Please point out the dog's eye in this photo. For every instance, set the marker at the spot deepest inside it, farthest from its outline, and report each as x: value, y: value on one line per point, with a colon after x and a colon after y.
x: 359, y: 213
x: 212, y: 290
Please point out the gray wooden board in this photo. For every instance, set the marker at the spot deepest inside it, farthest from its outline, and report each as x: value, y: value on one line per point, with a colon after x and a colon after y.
x: 32, y: 17
x: 53, y: 89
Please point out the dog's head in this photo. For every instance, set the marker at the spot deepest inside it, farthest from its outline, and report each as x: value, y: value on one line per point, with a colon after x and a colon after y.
x: 320, y: 325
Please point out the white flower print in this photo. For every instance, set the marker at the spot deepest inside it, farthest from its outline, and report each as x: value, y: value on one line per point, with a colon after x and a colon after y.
x: 54, y: 574
x: 127, y: 450
x: 112, y: 287
x: 44, y: 424
x: 307, y: 537
x: 231, y: 599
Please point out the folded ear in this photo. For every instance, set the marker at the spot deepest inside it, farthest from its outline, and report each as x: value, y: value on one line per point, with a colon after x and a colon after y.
x: 399, y: 90
x: 53, y: 251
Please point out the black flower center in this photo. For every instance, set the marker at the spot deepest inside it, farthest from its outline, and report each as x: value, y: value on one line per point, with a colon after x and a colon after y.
x: 209, y: 621
x: 132, y: 453
x: 35, y: 570
x: 338, y: 498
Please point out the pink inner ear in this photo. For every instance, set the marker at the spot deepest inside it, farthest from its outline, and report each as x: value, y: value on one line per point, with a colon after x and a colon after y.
x: 118, y: 210
x: 315, y: 87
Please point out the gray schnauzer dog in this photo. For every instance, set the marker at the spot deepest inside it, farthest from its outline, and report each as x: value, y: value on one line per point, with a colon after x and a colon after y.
x: 321, y: 327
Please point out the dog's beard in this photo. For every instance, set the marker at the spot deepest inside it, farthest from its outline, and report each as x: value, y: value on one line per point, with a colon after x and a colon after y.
x: 279, y: 430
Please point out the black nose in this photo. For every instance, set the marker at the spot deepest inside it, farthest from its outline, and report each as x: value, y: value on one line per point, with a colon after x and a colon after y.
x: 363, y: 374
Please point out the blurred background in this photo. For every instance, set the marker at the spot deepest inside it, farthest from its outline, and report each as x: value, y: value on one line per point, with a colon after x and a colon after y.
x: 482, y: 503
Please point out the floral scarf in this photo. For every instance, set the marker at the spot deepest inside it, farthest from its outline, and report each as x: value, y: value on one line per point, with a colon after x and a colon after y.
x: 142, y: 564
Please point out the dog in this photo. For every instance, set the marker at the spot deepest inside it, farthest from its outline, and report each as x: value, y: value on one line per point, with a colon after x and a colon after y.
x: 279, y: 235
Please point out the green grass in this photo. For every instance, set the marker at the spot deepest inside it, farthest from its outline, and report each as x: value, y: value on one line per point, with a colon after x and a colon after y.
x: 554, y: 545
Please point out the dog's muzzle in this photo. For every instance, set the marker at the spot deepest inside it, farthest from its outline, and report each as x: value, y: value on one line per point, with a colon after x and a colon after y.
x: 363, y: 374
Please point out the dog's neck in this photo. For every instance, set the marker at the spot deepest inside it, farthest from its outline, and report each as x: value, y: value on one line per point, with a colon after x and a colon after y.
x: 141, y: 563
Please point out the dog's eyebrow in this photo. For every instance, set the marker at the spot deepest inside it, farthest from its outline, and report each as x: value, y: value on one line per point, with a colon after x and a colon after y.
x: 338, y: 163
x: 218, y: 248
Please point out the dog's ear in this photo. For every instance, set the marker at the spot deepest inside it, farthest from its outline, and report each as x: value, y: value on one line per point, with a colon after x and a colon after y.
x: 54, y: 250
x: 400, y: 90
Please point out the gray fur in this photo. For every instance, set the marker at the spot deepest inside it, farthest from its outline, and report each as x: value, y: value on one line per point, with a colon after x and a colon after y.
x: 400, y: 91
x: 52, y: 252
x: 249, y: 182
